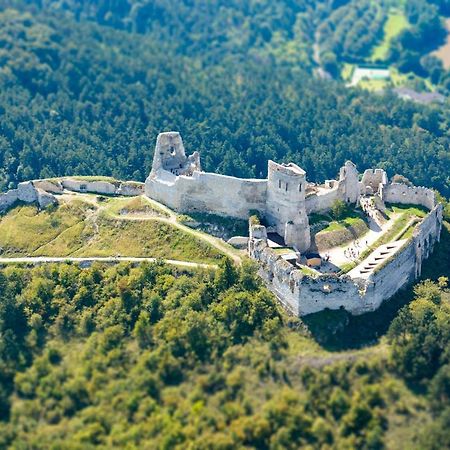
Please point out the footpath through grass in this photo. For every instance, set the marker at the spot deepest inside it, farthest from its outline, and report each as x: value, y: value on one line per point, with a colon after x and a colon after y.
x: 78, y: 228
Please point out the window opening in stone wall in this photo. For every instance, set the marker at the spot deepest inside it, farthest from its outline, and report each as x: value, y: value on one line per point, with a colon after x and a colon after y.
x: 300, y: 187
x: 279, y: 184
x: 287, y: 186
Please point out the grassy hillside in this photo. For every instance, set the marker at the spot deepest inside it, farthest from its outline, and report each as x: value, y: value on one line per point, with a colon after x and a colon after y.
x: 86, y: 225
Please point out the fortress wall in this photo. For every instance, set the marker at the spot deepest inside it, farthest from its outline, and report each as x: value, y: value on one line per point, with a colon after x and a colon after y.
x: 300, y: 293
x: 401, y: 193
x: 405, y: 265
x: 393, y: 275
x: 430, y: 227
x: 209, y: 192
x: 26, y: 192
x: 45, y: 198
x: 8, y: 199
x: 130, y: 189
x: 426, y: 234
x: 55, y: 187
x: 96, y: 187
x: 303, y: 294
x: 332, y: 292
x: 127, y: 188
x: 323, y: 201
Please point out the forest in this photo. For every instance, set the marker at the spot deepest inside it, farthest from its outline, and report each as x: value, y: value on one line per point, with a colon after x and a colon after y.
x: 90, y: 100
x: 154, y: 357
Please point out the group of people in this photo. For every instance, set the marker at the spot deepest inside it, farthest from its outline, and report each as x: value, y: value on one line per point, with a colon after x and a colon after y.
x: 354, y: 251
x: 368, y: 206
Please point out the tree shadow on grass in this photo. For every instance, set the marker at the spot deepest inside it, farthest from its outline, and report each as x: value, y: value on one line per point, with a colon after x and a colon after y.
x: 339, y: 330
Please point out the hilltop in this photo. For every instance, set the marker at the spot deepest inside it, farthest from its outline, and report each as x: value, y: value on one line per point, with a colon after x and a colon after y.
x: 128, y: 324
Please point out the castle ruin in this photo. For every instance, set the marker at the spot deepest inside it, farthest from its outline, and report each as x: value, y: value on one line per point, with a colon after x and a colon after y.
x: 286, y: 199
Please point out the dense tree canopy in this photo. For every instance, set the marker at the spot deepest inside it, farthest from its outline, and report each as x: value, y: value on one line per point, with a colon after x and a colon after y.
x: 90, y: 100
x: 156, y: 358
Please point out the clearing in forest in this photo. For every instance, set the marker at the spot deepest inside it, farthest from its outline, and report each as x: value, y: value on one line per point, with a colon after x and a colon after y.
x: 443, y: 52
x: 395, y: 24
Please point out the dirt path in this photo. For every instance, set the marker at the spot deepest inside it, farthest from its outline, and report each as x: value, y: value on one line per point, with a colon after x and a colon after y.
x: 172, y: 219
x: 35, y: 260
x: 341, y: 255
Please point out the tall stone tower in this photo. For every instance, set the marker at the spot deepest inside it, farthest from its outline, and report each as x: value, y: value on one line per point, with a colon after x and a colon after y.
x: 349, y: 180
x: 286, y: 204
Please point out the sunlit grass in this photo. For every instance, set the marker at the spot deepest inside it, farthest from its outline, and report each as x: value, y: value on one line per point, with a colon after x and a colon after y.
x: 394, y: 25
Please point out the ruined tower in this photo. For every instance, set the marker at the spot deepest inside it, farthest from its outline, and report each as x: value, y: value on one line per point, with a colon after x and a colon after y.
x: 285, y: 205
x: 170, y: 155
x: 349, y: 180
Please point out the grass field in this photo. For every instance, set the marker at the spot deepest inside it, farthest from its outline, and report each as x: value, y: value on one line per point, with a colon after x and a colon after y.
x: 78, y: 228
x: 131, y: 206
x: 394, y: 25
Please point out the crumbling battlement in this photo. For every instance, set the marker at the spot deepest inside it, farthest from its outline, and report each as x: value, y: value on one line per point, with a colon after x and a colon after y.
x: 26, y: 192
x: 303, y: 292
x: 43, y: 191
x: 178, y: 182
x: 401, y: 193
x: 372, y: 180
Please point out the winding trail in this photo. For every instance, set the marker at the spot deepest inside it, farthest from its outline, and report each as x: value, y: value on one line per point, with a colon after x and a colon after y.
x: 172, y: 219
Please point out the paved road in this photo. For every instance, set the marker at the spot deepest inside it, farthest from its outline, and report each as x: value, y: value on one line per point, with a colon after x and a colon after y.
x: 87, y: 260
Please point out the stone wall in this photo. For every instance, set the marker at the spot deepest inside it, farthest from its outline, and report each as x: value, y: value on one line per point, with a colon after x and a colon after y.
x: 323, y: 200
x: 26, y: 192
x: 53, y: 186
x: 8, y: 199
x: 302, y: 293
x: 42, y: 191
x: 208, y: 192
x: 426, y: 234
x: 401, y: 193
x: 126, y: 188
x: 96, y: 187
